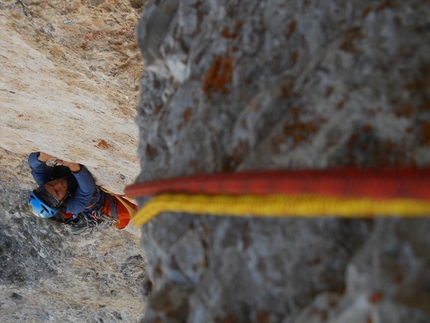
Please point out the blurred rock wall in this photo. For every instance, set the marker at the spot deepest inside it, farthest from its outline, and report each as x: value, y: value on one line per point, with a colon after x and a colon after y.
x: 243, y: 85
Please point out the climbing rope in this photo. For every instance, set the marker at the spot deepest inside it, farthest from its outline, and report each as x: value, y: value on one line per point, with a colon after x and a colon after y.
x: 304, y: 193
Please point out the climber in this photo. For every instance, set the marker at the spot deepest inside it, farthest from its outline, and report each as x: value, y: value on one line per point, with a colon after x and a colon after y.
x: 67, y: 190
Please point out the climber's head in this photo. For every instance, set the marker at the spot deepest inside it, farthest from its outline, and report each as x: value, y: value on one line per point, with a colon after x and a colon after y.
x: 46, y: 200
x: 57, y: 188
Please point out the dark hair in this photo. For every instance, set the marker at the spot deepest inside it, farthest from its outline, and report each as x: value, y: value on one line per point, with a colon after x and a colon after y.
x: 47, y: 197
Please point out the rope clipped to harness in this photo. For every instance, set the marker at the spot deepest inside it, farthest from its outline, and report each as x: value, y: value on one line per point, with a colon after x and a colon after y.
x: 304, y: 193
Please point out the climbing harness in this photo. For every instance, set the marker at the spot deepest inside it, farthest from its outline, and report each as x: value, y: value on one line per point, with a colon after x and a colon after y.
x: 96, y: 219
x: 306, y: 193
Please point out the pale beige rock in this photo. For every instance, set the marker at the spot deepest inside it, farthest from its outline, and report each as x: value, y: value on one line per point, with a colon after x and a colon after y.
x: 68, y: 86
x: 64, y: 93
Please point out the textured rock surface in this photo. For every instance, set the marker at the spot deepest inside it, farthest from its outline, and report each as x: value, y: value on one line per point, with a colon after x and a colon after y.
x: 48, y: 275
x: 68, y: 86
x: 235, y: 85
x: 70, y: 72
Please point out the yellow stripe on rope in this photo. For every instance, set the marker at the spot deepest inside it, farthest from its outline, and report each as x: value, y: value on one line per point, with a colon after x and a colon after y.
x: 280, y: 206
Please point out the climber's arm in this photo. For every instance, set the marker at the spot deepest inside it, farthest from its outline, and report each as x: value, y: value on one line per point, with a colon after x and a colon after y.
x: 40, y: 171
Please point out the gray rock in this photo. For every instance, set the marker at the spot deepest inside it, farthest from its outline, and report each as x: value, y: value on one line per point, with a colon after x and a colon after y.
x: 248, y: 85
x: 96, y: 3
x: 47, y: 29
x: 46, y: 274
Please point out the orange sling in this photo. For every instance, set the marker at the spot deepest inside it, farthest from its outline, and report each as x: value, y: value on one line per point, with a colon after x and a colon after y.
x: 118, y: 207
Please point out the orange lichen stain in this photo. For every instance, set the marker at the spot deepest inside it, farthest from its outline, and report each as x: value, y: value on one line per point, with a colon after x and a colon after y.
x: 218, y: 75
x: 84, y: 45
x: 230, y: 318
x: 398, y: 21
x: 352, y: 139
x: 193, y: 163
x: 350, y: 36
x: 287, y: 87
x: 117, y: 42
x: 314, y: 261
x: 244, y: 124
x: 375, y: 297
x: 262, y: 316
x: 158, y: 269
x: 285, y: 91
x: 150, y: 151
x: 293, y: 57
x: 398, y: 279
x: 275, y: 144
x: 187, y: 115
x: 157, y: 109
x: 199, y: 17
x: 392, y: 61
x: 196, y: 32
x: 425, y: 133
x: 383, y: 5
x: 238, y: 25
x: 325, y: 277
x: 302, y: 39
x: 290, y: 29
x: 197, y: 4
x: 102, y: 144
x: 295, y: 112
x: 240, y: 152
x: 405, y: 110
x: 299, y: 131
x: 366, y: 11
x: 409, y: 86
x: 225, y: 33
x: 422, y: 83
x: 367, y: 128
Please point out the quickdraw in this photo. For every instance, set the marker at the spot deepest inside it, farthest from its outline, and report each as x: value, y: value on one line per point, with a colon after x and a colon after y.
x: 92, y: 220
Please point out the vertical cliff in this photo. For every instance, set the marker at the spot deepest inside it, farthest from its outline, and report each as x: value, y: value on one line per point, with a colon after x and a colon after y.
x: 68, y: 86
x: 247, y: 85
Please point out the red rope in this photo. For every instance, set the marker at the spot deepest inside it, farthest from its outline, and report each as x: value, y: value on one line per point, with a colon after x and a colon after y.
x: 372, y: 183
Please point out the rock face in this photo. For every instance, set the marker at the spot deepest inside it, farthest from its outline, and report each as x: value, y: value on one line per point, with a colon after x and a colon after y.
x: 247, y: 85
x: 70, y: 74
x: 68, y: 86
x: 48, y: 275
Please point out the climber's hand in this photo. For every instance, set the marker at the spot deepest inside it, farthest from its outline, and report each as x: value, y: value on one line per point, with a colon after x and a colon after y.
x: 44, y: 157
x: 74, y: 167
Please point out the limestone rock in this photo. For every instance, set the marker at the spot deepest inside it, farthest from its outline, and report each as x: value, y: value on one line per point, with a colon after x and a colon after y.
x: 69, y: 82
x: 248, y: 85
x: 70, y: 75
x: 47, y: 274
